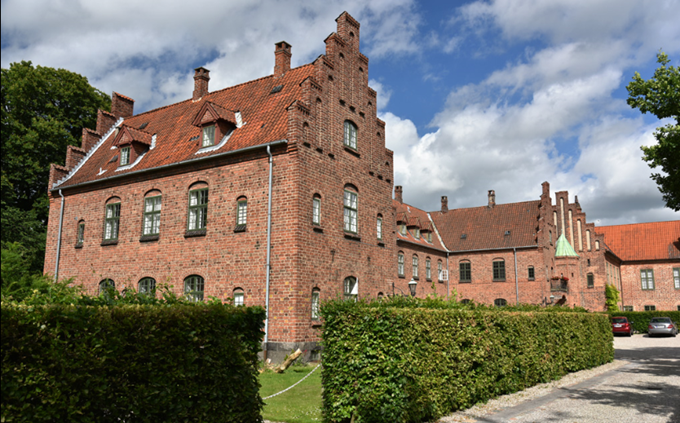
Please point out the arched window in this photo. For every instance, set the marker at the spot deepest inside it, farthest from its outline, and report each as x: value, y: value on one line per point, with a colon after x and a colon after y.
x: 465, y: 270
x: 147, y: 286
x: 597, y: 245
x: 381, y: 296
x: 112, y: 220
x: 351, y: 289
x: 80, y: 237
x: 591, y: 280
x: 239, y: 297
x: 379, y: 226
x: 198, y: 207
x: 350, y: 138
x: 316, y: 209
x: 428, y: 268
x: 465, y: 301
x: 193, y: 287
x: 241, y: 211
x: 105, y: 285
x: 152, y: 213
x: 400, y: 264
x: 499, y: 270
x: 350, y: 209
x: 415, y: 266
x: 316, y: 300
x: 500, y: 302
x: 531, y: 273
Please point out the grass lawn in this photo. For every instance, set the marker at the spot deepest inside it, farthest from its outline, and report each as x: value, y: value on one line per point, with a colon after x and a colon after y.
x: 301, y: 404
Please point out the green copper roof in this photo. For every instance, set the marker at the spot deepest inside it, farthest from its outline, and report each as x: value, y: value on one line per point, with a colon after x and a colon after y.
x: 563, y: 248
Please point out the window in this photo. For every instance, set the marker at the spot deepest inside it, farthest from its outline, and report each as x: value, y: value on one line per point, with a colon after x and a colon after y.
x: 316, y: 294
x: 627, y: 308
x: 350, y: 288
x: 416, y: 233
x: 591, y: 280
x: 80, y: 238
x: 650, y: 308
x: 428, y: 236
x: 350, y: 139
x: 106, y: 285
x: 400, y: 264
x: 241, y: 211
x: 415, y: 266
x: 112, y: 222
x: 350, y: 211
x: 532, y: 275
x: 238, y: 297
x: 500, y: 302
x: 198, y: 209
x: 465, y: 301
x: 208, y: 136
x: 193, y: 287
x: 152, y: 215
x: 428, y: 269
x: 379, y: 227
x: 147, y: 286
x: 316, y: 210
x: 499, y: 270
x: 676, y: 277
x: 402, y: 229
x: 439, y: 270
x: 124, y: 156
x: 647, y: 278
x: 465, y: 268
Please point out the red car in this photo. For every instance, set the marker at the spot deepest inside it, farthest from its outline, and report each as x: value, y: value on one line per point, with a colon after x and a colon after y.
x: 621, y: 326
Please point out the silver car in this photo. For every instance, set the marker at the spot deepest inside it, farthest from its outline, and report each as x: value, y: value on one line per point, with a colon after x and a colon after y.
x: 662, y: 326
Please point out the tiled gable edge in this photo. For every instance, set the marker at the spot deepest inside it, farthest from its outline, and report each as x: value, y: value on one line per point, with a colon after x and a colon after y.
x: 441, y: 241
x: 90, y: 153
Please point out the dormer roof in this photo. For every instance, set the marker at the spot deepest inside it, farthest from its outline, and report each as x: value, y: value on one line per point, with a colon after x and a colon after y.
x: 128, y: 135
x: 211, y: 113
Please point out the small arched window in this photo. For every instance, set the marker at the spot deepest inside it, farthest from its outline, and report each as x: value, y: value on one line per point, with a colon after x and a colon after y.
x: 147, y: 286
x: 499, y: 270
x: 400, y: 263
x: 194, y: 286
x: 241, y: 211
x: 415, y: 266
x: 152, y: 213
x: 316, y: 301
x: 198, y: 207
x: 350, y: 288
x: 500, y: 302
x: 316, y: 209
x: 239, y: 297
x: 379, y: 227
x: 106, y: 285
x: 350, y: 209
x: 350, y: 138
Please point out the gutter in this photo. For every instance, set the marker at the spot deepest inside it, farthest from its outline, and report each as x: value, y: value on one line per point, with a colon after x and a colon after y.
x: 61, y: 220
x: 494, y: 249
x: 269, y: 249
x: 171, y: 165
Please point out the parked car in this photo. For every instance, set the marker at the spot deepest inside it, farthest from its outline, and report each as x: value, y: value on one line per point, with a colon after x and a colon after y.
x: 621, y: 326
x: 662, y: 326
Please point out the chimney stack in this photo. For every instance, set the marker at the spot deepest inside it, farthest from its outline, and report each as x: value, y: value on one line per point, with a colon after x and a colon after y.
x: 282, y: 53
x: 398, y: 194
x: 445, y: 204
x: 201, y: 78
x: 122, y: 106
x: 492, y: 198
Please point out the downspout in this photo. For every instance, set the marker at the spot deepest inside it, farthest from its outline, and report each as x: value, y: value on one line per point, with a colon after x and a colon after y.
x: 448, y: 276
x: 61, y: 220
x: 269, y: 249
x: 514, y: 252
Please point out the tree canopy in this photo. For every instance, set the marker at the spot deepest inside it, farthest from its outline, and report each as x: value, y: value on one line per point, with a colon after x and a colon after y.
x: 660, y: 96
x: 43, y: 111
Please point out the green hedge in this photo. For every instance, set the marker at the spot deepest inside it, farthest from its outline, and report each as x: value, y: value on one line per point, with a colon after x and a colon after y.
x: 399, y: 364
x: 131, y: 363
x: 641, y: 319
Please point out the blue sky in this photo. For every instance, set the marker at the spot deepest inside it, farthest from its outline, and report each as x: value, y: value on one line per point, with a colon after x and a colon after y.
x: 477, y: 95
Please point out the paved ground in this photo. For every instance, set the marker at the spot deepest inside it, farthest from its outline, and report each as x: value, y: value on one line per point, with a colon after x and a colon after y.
x: 641, y: 386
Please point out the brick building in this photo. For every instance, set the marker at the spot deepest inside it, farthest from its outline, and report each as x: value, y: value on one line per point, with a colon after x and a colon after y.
x: 278, y: 192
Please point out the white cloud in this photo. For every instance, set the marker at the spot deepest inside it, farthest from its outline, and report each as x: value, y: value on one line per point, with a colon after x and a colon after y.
x: 384, y: 93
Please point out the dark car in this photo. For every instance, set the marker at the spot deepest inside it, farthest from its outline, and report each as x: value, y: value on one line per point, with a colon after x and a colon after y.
x: 662, y: 326
x: 621, y: 326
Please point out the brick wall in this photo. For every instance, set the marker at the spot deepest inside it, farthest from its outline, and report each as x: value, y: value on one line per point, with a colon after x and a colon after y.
x: 664, y: 296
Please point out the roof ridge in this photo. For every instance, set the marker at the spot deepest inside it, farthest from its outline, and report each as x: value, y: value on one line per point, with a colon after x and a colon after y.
x: 486, y: 206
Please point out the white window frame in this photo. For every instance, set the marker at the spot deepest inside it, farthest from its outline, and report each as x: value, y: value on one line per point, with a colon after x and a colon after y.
x: 428, y: 269
x: 647, y: 279
x: 152, y: 215
x: 351, y: 213
x: 112, y: 222
x: 400, y: 264
x: 242, y: 211
x: 676, y: 277
x: 350, y: 137
x: 316, y: 211
x: 125, y: 156
x: 208, y: 136
x: 415, y: 266
x: 379, y: 228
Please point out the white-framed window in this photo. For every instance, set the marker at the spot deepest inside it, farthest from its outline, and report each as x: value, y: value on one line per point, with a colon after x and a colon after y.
x: 316, y: 301
x: 198, y: 209
x: 147, y: 286
x: 152, y: 215
x: 415, y: 266
x: 208, y: 136
x: 124, y: 156
x: 676, y: 277
x: 316, y: 210
x: 400, y: 264
x: 439, y: 270
x: 627, y: 308
x: 531, y: 273
x: 379, y: 227
x: 239, y: 297
x: 194, y: 286
x: 242, y: 211
x: 351, y: 216
x: 647, y: 278
x: 112, y: 222
x: 350, y: 138
x: 428, y: 269
x: 349, y: 288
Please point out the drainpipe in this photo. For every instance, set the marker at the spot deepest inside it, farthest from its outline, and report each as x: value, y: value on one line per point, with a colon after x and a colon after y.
x: 269, y: 249
x: 61, y: 219
x: 514, y: 252
x: 448, y: 274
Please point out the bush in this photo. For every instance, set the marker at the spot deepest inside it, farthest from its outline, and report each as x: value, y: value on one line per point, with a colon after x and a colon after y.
x: 411, y: 360
x: 641, y: 319
x: 133, y: 363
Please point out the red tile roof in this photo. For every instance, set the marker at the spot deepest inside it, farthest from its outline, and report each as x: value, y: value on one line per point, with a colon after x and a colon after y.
x: 643, y: 241
x: 264, y: 115
x: 485, y: 227
x: 416, y: 218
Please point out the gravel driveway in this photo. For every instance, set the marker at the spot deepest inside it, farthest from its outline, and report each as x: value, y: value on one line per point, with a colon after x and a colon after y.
x: 641, y: 385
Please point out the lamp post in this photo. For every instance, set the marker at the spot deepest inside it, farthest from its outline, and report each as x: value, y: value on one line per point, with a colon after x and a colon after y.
x: 412, y: 286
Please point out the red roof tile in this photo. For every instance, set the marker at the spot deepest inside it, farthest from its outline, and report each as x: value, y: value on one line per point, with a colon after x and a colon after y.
x: 485, y: 227
x: 643, y: 241
x: 416, y: 218
x: 264, y: 115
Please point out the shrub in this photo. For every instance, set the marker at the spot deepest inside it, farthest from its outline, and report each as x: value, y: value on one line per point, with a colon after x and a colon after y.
x: 641, y: 319
x: 412, y: 360
x: 133, y: 363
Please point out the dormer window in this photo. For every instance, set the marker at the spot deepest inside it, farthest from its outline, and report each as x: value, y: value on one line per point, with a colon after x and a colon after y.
x: 125, y: 156
x: 208, y: 136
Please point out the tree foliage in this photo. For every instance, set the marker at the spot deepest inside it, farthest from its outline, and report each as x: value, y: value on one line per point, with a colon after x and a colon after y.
x: 611, y: 295
x: 43, y: 111
x: 660, y: 96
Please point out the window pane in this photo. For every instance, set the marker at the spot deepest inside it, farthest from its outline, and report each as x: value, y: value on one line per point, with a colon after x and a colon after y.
x: 379, y: 228
x: 676, y: 277
x: 208, y: 136
x: 316, y: 211
x: 315, y: 304
x: 242, y: 212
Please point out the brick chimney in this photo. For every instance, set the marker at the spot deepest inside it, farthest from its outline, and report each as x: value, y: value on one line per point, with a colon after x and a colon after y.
x: 492, y: 198
x: 398, y: 193
x: 282, y: 54
x: 121, y: 106
x: 201, y: 78
x: 348, y: 30
x: 445, y: 204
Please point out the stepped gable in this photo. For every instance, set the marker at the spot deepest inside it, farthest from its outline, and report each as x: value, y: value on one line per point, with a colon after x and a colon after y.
x: 415, y: 217
x: 264, y: 115
x: 643, y: 241
x: 484, y: 227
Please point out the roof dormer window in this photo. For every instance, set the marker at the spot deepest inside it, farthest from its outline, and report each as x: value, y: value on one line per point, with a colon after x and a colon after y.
x: 208, y: 136
x: 125, y: 156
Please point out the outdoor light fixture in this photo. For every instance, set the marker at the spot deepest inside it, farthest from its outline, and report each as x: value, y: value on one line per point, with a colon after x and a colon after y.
x: 412, y: 286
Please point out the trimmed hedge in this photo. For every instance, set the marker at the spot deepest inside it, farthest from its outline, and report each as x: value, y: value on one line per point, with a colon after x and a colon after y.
x: 132, y: 363
x: 400, y: 364
x: 641, y: 319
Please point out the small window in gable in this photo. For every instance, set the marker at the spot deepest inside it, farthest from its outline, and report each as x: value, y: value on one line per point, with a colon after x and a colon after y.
x: 350, y: 138
x: 208, y: 136
x: 125, y: 156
